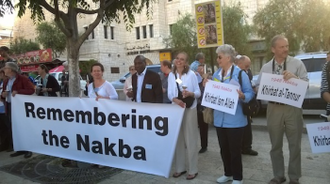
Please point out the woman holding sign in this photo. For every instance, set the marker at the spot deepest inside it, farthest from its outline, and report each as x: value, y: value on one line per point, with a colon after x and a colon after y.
x: 230, y: 127
x: 183, y: 90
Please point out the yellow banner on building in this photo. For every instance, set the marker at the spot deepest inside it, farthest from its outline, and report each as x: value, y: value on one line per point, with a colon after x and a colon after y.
x: 209, y: 24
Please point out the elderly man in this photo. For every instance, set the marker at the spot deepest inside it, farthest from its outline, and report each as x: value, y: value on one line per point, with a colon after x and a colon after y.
x: 284, y: 119
x: 147, y: 86
x: 244, y: 63
x: 15, y: 84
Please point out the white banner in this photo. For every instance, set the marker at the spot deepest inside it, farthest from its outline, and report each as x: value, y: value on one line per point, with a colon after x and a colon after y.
x: 221, y: 96
x: 134, y: 136
x: 274, y: 88
x: 319, y: 136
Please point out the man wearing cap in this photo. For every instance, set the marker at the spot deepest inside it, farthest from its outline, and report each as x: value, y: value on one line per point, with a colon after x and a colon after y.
x: 14, y: 84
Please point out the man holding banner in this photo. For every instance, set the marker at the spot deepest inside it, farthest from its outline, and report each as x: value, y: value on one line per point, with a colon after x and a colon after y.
x: 283, y: 118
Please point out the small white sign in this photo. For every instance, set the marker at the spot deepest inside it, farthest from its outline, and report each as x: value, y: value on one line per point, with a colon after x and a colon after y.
x: 319, y: 136
x: 274, y: 88
x: 221, y: 96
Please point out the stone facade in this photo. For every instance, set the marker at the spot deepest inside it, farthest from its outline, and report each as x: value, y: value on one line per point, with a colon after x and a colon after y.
x: 119, y: 49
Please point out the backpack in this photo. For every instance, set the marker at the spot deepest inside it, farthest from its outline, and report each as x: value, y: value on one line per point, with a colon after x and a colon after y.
x: 252, y: 107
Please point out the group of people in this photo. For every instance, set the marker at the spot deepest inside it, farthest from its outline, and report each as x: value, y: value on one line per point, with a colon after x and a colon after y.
x: 183, y: 85
x: 181, y: 82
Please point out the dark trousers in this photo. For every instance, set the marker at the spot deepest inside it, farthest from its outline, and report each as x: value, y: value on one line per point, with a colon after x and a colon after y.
x: 247, y: 136
x: 230, y: 141
x: 4, y: 134
x: 203, y: 129
x: 8, y: 123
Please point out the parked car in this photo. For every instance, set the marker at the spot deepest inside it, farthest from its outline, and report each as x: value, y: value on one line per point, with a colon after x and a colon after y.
x: 58, y: 76
x: 119, y: 83
x: 313, y: 103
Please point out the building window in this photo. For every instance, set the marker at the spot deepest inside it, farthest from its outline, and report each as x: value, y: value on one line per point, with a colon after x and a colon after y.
x: 114, y: 69
x: 105, y: 32
x: 151, y: 31
x: 144, y: 31
x: 112, y: 32
x: 85, y: 31
x: 171, y: 28
x: 137, y: 30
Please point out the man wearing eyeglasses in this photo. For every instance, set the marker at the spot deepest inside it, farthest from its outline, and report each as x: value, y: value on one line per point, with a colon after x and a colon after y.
x: 281, y: 118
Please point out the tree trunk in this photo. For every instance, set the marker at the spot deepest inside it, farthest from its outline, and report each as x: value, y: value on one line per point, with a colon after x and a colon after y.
x: 73, y: 61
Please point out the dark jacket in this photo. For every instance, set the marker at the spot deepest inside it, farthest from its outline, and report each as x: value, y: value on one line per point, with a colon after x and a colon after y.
x: 22, y: 85
x: 53, y: 84
x: 151, y: 88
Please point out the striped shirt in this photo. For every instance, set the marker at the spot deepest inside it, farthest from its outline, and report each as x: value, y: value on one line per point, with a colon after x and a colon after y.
x: 325, y: 83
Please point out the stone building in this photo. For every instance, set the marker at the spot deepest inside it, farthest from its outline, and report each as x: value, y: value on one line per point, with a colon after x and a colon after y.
x: 115, y: 47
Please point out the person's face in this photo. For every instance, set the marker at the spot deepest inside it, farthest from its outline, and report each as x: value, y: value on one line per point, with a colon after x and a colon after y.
x: 223, y: 60
x: 7, y: 71
x: 180, y: 60
x: 139, y: 65
x: 328, y: 57
x: 132, y: 70
x: 200, y: 70
x: 97, y: 72
x: 40, y: 71
x: 281, y: 48
x: 202, y: 60
x: 163, y: 68
x: 245, y: 65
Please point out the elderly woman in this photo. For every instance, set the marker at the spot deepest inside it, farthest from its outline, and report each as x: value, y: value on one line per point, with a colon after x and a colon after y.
x: 182, y: 83
x: 48, y: 84
x: 230, y: 127
x: 15, y: 84
x: 100, y: 88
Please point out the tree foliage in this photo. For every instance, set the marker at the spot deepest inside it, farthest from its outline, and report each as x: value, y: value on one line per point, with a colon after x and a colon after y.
x: 85, y: 67
x: 183, y: 36
x: 303, y: 22
x: 279, y: 17
x: 5, y: 7
x: 236, y: 33
x: 236, y: 30
x: 21, y: 46
x: 50, y: 36
x: 314, y: 25
x: 66, y: 14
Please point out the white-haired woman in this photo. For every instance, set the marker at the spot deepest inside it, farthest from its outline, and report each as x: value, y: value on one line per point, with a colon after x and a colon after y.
x: 230, y: 127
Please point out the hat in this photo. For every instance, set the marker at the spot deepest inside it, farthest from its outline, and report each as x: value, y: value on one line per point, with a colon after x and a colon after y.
x: 13, y: 66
